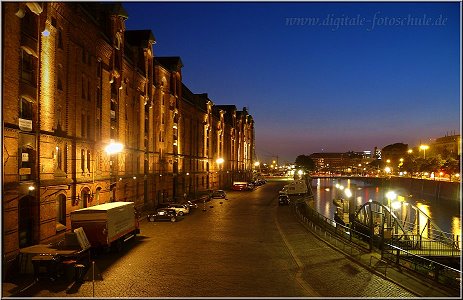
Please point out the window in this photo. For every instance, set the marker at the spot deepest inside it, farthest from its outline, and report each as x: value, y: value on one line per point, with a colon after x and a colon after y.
x: 61, y: 212
x: 60, y: 38
x: 88, y: 126
x: 28, y: 67
x: 99, y: 69
x: 83, y: 87
x: 82, y: 160
x: 98, y: 98
x: 29, y: 24
x: 84, y: 59
x: 88, y: 160
x: 25, y: 109
x: 88, y: 90
x: 26, y: 163
x: 59, y: 158
x: 82, y: 125
x: 98, y: 128
x: 59, y: 79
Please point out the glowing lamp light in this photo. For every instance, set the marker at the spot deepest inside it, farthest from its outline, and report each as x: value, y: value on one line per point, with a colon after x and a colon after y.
x: 256, y: 164
x: 348, y: 193
x: 31, y: 188
x: 219, y: 160
x: 114, y: 148
x: 391, y: 195
x: 300, y: 172
x: 396, y: 204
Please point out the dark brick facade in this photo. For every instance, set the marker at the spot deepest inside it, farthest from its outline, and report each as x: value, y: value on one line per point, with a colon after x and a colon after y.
x: 75, y: 80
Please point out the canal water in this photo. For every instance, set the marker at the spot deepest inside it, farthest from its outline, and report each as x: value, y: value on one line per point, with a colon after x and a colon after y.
x: 446, y: 215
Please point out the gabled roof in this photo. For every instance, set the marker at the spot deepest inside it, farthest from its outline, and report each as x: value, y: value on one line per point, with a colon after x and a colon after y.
x: 229, y: 110
x: 171, y: 63
x: 140, y: 37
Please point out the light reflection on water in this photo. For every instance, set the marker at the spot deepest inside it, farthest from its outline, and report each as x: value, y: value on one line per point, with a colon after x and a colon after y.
x: 447, y: 217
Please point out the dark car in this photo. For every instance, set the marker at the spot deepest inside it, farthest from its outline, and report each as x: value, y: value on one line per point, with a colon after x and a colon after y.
x: 219, y: 194
x: 162, y: 214
x: 283, y: 200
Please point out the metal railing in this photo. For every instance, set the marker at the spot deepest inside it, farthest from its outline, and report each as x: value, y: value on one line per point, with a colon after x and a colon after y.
x: 343, y: 236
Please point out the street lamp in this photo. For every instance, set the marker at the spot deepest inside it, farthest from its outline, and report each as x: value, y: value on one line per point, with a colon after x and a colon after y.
x: 219, y: 162
x: 424, y: 148
x: 111, y: 149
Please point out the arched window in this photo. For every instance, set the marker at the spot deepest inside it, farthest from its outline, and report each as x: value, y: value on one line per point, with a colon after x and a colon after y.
x: 97, y: 195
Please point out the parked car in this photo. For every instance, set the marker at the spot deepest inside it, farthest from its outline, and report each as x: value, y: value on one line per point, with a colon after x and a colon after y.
x: 162, y: 214
x: 181, y: 209
x: 219, y: 194
x: 239, y: 186
x: 190, y: 204
x: 250, y: 186
x: 283, y: 199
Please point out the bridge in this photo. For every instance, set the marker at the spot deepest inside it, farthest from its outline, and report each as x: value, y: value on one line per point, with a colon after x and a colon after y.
x: 407, y: 227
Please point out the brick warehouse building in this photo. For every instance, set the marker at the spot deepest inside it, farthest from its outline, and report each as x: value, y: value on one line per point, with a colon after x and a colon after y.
x: 74, y: 80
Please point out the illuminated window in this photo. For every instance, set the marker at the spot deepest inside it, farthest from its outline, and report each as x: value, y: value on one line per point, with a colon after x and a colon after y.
x: 82, y: 160
x: 88, y: 160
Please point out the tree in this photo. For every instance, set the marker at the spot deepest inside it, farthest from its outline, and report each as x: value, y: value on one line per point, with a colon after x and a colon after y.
x: 451, y: 166
x: 304, y: 161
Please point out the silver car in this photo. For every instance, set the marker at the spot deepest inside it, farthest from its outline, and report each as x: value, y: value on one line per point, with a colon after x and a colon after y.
x: 181, y: 209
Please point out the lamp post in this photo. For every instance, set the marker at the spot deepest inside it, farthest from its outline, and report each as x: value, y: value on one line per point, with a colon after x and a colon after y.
x: 424, y: 148
x: 111, y: 149
x: 219, y: 162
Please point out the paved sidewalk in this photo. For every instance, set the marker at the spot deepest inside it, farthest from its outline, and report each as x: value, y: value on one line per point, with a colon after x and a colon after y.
x: 419, y: 286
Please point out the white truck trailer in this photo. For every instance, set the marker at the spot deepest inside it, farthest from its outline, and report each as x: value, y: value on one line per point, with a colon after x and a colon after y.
x: 107, y: 224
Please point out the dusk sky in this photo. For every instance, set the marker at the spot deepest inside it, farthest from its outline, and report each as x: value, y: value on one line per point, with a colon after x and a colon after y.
x: 366, y: 75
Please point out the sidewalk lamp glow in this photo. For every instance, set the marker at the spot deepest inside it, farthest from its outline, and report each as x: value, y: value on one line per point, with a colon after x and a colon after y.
x: 256, y: 164
x: 113, y: 148
x: 219, y: 160
x: 300, y: 172
x: 387, y: 170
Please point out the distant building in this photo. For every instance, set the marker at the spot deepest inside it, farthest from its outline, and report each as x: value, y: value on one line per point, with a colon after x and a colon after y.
x: 447, y: 146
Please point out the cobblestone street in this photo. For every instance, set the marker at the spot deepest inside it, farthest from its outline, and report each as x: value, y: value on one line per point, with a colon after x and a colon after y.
x: 246, y: 246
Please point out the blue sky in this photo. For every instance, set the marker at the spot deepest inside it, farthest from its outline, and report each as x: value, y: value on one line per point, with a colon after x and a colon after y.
x: 371, y: 74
